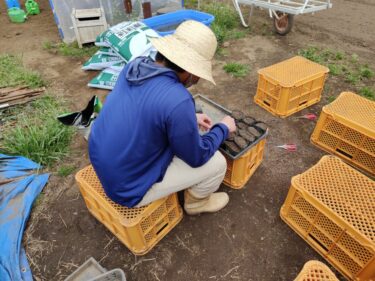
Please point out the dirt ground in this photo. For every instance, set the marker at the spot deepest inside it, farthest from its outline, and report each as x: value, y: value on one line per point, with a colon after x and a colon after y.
x: 245, y: 241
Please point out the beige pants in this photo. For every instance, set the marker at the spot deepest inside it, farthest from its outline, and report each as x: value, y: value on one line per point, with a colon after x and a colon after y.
x: 179, y: 176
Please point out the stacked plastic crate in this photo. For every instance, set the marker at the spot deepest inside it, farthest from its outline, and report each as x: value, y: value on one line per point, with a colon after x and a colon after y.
x: 332, y: 207
x: 346, y: 128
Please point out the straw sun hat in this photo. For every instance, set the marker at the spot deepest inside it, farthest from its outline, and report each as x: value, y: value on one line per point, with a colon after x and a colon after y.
x: 191, y: 47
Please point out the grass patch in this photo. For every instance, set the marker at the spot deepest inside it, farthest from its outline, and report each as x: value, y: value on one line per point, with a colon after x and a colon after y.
x: 222, y: 52
x: 367, y: 92
x: 352, y: 78
x: 334, y: 69
x: 237, y: 34
x: 12, y: 73
x: 33, y: 131
x: 65, y: 171
x: 319, y: 55
x: 339, y: 55
x: 226, y: 20
x: 345, y: 66
x: 366, y: 72
x: 331, y: 99
x: 71, y: 50
x: 236, y: 69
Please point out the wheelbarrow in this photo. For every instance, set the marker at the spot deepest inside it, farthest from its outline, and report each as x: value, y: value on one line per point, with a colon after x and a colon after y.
x: 283, y: 11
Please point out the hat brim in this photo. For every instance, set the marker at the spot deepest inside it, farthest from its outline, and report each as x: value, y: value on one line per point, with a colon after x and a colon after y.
x: 184, y: 56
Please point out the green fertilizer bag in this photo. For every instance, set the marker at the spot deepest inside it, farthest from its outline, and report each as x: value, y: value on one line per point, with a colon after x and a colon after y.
x: 107, y: 51
x: 105, y: 80
x: 118, y: 67
x: 130, y: 39
x: 100, y: 40
x: 101, y: 61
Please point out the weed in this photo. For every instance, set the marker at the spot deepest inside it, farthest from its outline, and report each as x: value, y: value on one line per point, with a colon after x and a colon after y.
x: 220, y: 33
x: 65, y: 171
x: 13, y: 73
x: 334, y: 69
x: 354, y: 58
x: 222, y: 52
x: 331, y: 99
x: 39, y: 199
x: 238, y: 34
x: 339, y: 64
x: 48, y: 45
x: 352, y: 78
x: 36, y: 133
x: 236, y: 69
x: 226, y: 19
x: 191, y: 4
x: 367, y: 92
x: 339, y: 56
x: 366, y: 72
x: 71, y: 50
x: 311, y: 53
x: 327, y: 55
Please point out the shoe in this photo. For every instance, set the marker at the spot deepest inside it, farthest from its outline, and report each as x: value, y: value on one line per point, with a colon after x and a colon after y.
x: 210, y: 204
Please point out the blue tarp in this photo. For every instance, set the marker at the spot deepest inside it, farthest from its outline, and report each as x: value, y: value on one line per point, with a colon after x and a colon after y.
x: 15, y: 166
x: 16, y: 200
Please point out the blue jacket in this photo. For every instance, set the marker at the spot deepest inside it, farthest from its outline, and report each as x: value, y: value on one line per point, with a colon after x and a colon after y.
x: 148, y: 118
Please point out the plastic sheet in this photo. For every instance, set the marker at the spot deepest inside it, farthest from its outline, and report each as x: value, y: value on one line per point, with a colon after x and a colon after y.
x: 16, y: 200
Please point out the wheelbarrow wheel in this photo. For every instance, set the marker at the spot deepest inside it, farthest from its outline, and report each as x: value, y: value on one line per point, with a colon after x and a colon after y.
x: 283, y: 24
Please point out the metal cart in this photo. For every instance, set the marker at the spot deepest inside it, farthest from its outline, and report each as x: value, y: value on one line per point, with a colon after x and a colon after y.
x: 283, y: 11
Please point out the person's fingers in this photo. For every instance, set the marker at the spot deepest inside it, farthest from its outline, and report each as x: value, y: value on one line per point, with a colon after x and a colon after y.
x: 202, y: 128
x: 206, y: 125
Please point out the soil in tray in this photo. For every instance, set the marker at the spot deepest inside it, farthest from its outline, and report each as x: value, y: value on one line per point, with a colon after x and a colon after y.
x: 241, y: 126
x: 248, y: 120
x: 262, y: 126
x: 241, y: 142
x: 248, y: 131
x: 246, y: 136
x: 231, y: 148
x: 254, y: 132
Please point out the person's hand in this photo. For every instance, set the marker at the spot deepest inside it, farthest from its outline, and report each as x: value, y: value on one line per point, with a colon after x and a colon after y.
x: 204, y: 122
x: 230, y: 123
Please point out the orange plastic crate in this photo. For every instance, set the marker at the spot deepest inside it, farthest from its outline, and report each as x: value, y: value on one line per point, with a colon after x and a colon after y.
x: 331, y: 206
x: 290, y: 86
x: 140, y: 229
x: 241, y: 169
x: 346, y: 128
x: 315, y: 271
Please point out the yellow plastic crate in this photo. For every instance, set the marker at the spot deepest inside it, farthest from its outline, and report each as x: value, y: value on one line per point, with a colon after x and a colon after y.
x: 346, y: 128
x: 241, y: 169
x: 315, y: 271
x: 140, y: 229
x: 332, y: 207
x: 290, y: 86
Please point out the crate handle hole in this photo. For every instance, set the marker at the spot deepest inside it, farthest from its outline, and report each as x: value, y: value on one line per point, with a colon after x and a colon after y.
x: 161, y: 229
x: 250, y: 167
x: 344, y: 153
x: 89, y: 19
x: 318, y: 242
x: 266, y: 103
x: 302, y: 103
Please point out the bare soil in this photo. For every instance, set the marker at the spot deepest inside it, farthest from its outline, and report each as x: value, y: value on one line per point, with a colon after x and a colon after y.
x: 245, y: 241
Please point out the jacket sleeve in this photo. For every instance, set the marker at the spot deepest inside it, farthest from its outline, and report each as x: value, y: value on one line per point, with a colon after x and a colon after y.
x: 185, y: 140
